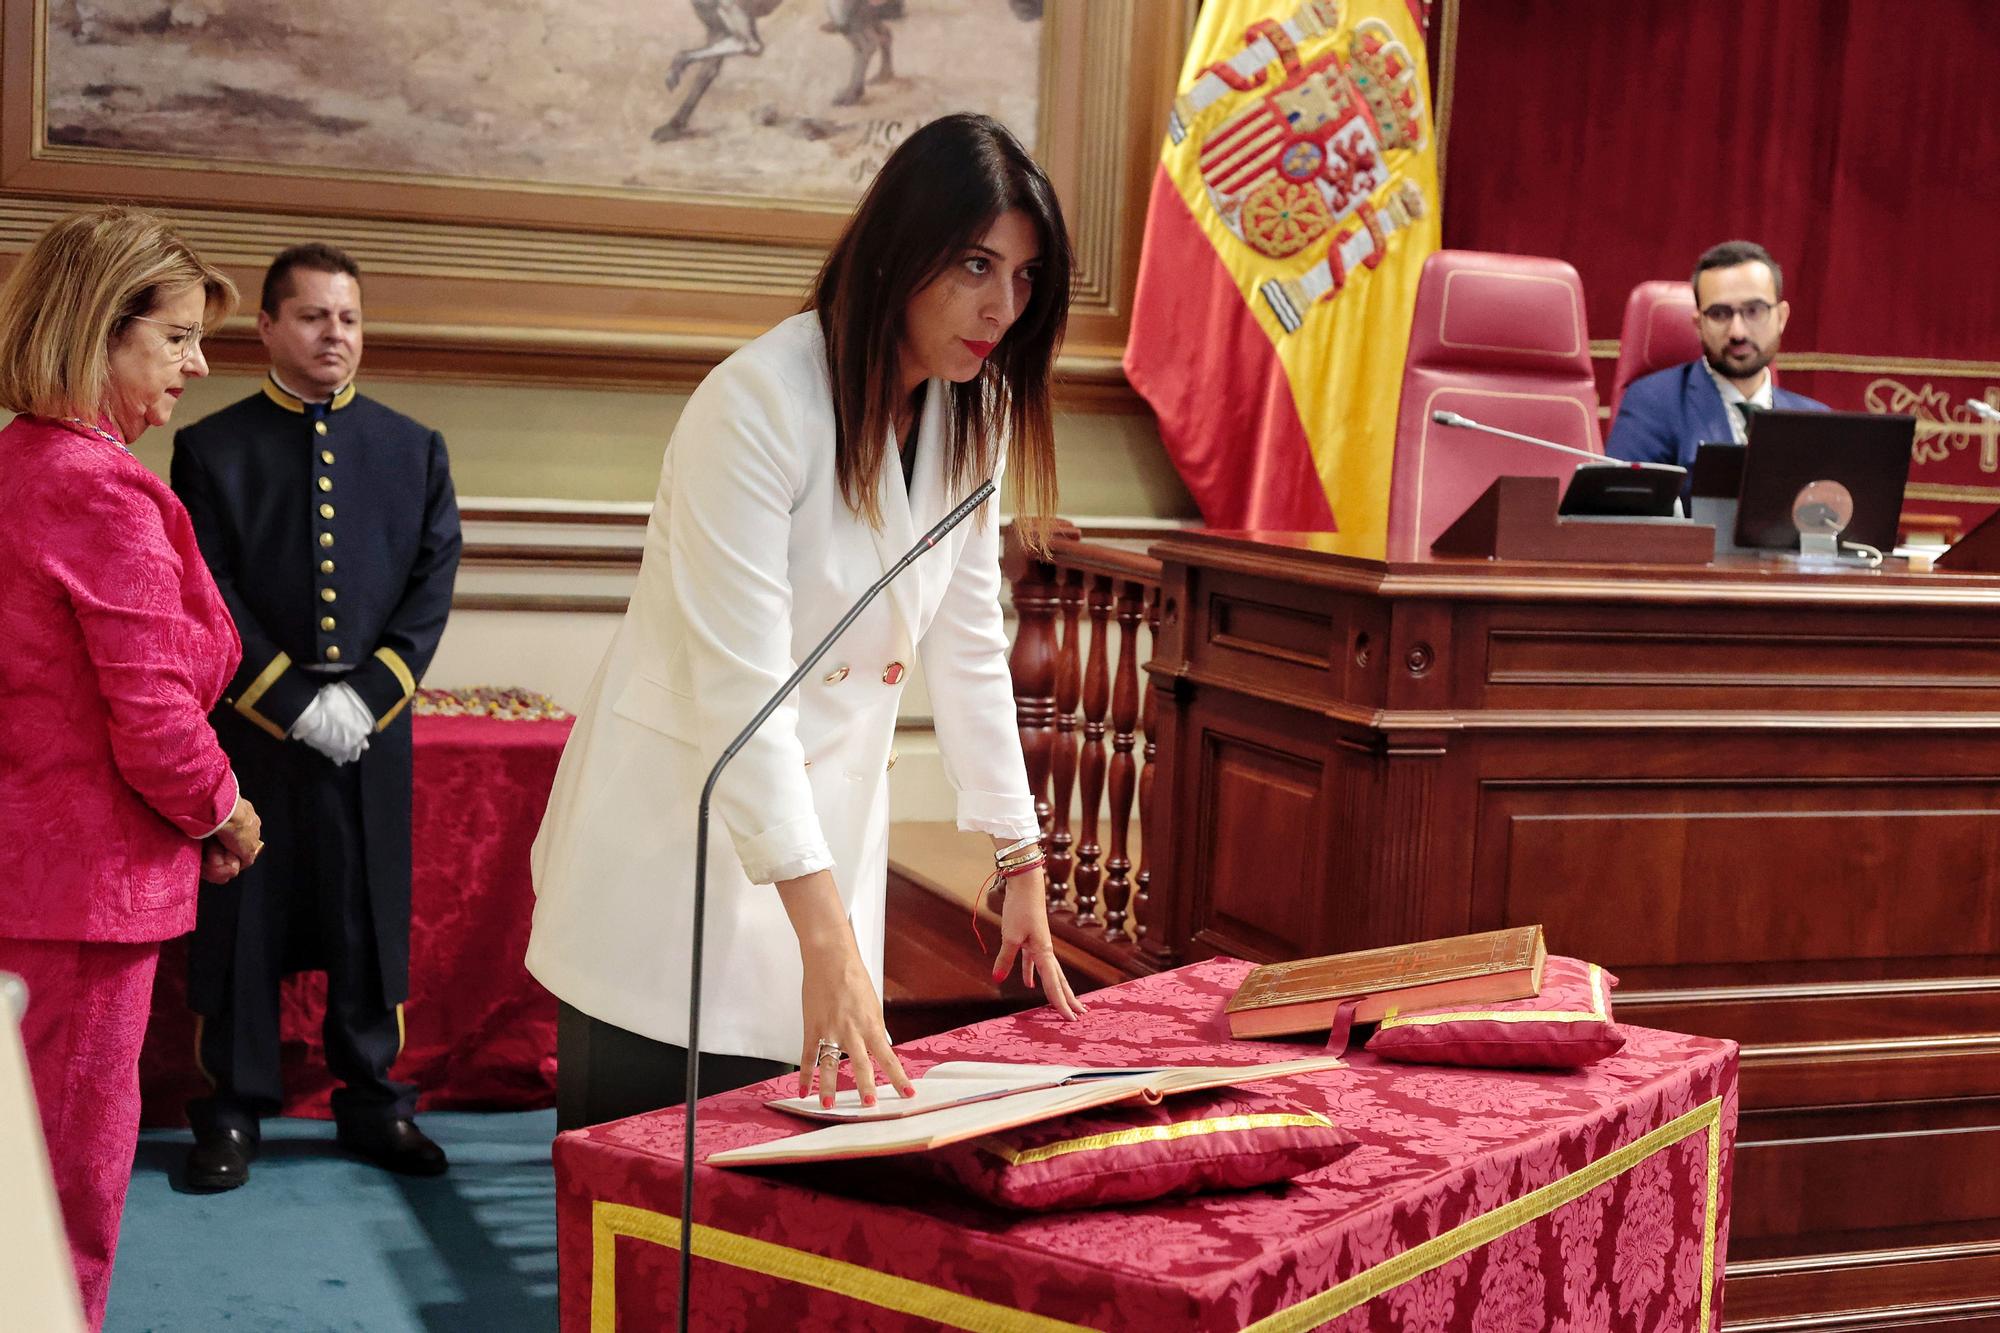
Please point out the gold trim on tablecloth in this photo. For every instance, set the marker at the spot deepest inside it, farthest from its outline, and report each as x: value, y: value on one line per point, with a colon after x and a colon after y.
x: 608, y: 1221
x: 1124, y: 1138
x: 1530, y: 1207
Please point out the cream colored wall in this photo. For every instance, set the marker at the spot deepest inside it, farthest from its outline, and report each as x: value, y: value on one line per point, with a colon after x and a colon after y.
x: 536, y: 442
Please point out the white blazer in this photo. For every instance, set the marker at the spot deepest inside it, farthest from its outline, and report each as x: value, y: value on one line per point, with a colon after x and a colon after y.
x: 751, y: 556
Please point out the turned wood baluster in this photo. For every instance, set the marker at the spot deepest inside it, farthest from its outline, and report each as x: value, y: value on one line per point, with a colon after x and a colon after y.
x: 1032, y: 663
x: 1063, y: 761
x: 1124, y: 725
x: 1142, y: 884
x: 1096, y: 699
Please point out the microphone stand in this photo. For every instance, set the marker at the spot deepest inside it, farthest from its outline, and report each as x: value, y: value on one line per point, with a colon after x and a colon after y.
x: 1444, y: 418
x: 925, y: 543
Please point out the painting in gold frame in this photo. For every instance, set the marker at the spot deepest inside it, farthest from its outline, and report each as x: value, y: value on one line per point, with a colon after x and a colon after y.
x: 587, y: 282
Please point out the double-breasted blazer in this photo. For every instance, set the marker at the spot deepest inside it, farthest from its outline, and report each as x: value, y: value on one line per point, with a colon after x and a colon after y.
x: 751, y: 557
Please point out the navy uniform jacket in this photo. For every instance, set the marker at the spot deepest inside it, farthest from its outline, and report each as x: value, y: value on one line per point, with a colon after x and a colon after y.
x: 333, y: 541
x: 1664, y: 415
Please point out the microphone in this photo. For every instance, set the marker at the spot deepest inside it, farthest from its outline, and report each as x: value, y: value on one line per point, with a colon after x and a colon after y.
x: 1984, y: 410
x: 924, y: 543
x: 1444, y: 418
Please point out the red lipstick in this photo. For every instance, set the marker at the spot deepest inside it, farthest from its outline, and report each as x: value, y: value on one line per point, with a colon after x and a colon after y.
x: 980, y: 350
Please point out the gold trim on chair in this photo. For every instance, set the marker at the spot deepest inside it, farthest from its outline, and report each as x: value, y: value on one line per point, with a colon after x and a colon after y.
x: 609, y: 1221
x: 404, y: 677
x: 246, y: 702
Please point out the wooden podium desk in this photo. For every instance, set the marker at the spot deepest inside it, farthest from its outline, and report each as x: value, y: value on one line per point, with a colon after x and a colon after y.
x: 1768, y: 799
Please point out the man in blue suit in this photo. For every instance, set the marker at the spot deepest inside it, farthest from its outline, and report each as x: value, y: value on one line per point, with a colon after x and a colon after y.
x: 1740, y: 315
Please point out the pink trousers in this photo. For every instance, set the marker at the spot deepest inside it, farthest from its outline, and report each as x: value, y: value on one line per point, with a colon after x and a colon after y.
x: 87, y: 1009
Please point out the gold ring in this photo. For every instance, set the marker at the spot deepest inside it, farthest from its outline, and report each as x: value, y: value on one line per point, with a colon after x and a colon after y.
x: 828, y: 1049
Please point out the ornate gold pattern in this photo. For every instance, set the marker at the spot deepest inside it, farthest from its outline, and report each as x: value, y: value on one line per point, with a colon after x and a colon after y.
x: 1944, y: 426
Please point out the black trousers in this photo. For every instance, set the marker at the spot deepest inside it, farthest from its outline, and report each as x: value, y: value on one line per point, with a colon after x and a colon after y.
x: 605, y: 1072
x: 321, y: 913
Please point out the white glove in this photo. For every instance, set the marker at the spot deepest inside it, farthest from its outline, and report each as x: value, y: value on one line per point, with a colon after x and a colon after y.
x: 351, y: 719
x: 328, y: 724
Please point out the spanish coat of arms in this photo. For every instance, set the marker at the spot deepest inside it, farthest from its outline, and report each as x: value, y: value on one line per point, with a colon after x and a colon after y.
x: 1303, y: 158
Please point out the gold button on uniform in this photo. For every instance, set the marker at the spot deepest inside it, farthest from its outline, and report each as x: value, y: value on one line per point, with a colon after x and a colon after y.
x: 892, y: 761
x: 326, y: 483
x: 328, y: 595
x: 326, y: 622
x: 326, y: 566
x: 333, y: 652
x: 319, y: 428
x: 835, y: 676
x: 326, y: 539
x: 326, y: 457
x: 326, y: 511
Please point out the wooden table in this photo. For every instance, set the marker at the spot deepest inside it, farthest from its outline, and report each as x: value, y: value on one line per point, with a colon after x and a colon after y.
x: 1767, y: 797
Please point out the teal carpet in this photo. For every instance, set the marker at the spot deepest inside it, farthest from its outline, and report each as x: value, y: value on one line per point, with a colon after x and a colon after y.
x: 319, y: 1241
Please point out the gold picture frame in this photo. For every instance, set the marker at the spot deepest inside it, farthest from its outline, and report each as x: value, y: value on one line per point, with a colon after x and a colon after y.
x: 513, y: 283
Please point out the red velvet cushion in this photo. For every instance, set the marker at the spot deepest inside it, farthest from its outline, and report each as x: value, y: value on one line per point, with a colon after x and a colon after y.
x: 1567, y: 1025
x: 1188, y: 1144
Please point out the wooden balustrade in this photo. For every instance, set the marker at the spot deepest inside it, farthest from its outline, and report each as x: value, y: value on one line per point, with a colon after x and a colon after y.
x: 1087, y: 614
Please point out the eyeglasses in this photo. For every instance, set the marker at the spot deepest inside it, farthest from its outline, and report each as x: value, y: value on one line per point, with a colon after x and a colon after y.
x: 183, y: 340
x: 1754, y: 314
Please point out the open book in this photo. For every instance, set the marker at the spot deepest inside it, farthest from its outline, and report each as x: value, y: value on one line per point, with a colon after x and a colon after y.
x: 965, y: 1099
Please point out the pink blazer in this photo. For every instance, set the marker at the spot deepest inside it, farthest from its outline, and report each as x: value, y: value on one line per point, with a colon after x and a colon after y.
x: 114, y: 644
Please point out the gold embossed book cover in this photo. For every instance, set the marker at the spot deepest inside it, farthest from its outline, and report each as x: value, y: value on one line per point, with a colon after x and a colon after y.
x: 1280, y: 999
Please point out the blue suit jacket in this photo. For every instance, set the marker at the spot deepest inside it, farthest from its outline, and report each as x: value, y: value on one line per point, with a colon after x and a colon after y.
x: 1664, y: 415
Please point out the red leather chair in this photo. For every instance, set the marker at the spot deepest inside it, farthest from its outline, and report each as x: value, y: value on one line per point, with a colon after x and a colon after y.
x: 1658, y: 332
x: 1499, y: 338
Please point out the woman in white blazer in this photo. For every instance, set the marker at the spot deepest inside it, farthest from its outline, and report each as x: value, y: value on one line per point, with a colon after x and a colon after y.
x: 800, y: 469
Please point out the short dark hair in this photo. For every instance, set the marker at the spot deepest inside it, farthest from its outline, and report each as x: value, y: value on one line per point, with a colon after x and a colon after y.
x: 938, y: 193
x: 315, y: 256
x: 1731, y: 253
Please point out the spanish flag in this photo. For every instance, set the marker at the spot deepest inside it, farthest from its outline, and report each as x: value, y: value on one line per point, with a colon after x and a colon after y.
x: 1294, y: 206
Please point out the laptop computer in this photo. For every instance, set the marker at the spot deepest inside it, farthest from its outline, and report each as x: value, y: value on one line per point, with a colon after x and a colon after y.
x: 1867, y: 453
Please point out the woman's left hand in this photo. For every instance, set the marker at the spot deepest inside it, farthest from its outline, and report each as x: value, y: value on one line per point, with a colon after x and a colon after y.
x: 1024, y: 930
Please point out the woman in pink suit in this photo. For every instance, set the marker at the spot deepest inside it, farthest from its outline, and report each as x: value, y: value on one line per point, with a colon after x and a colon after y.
x: 114, y: 796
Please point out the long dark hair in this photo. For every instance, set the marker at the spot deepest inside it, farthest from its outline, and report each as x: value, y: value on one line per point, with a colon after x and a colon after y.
x: 934, y: 198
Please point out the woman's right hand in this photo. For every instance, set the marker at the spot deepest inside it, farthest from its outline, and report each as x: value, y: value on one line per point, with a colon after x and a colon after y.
x: 242, y: 834
x: 837, y: 997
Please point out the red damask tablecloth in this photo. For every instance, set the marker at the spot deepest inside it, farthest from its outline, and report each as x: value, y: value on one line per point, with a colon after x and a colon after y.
x: 1477, y: 1199
x: 479, y: 1032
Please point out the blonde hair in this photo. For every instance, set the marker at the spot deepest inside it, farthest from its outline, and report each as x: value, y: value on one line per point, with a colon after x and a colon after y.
x: 76, y: 290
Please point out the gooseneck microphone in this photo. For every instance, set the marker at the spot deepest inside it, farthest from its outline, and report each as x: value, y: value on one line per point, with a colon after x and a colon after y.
x: 1444, y: 418
x: 792, y: 682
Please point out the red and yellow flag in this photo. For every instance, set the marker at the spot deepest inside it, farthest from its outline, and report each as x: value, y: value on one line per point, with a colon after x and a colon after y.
x: 1294, y: 206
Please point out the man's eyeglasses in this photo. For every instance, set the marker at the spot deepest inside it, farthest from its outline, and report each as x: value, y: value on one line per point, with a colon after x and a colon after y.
x: 1754, y: 313
x: 182, y: 340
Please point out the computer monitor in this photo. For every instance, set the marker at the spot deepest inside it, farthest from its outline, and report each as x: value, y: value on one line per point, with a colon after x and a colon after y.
x: 1868, y: 453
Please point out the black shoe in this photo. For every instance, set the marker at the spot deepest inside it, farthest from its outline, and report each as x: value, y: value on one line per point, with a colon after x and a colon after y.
x: 394, y: 1145
x: 220, y: 1161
